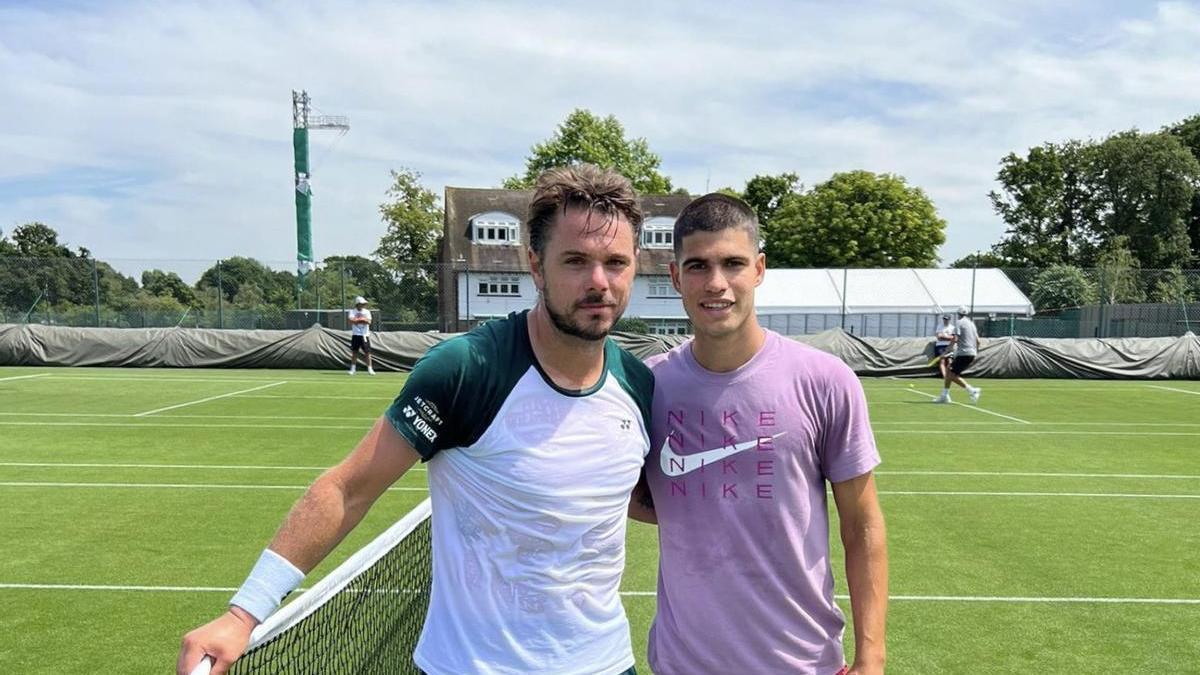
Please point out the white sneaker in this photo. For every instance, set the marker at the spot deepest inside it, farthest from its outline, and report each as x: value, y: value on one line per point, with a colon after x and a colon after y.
x: 351, y: 371
x: 974, y: 394
x: 944, y: 398
x: 370, y: 371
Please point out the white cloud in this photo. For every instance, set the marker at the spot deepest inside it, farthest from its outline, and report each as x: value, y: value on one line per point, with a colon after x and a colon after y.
x: 161, y: 130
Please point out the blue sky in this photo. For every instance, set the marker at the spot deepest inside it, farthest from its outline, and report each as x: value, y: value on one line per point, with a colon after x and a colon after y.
x: 161, y: 131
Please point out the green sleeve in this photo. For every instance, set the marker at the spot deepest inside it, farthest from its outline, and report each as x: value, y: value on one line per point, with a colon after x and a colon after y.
x: 635, y: 378
x: 428, y: 413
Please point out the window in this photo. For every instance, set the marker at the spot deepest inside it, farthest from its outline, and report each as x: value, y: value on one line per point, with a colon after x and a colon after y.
x: 658, y: 232
x: 500, y: 286
x: 495, y: 228
x: 670, y: 327
x: 660, y: 287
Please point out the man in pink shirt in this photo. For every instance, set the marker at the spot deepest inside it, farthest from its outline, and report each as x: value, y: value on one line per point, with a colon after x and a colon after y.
x: 747, y: 429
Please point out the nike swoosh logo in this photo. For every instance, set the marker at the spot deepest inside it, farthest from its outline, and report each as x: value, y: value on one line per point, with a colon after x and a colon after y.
x: 674, y: 465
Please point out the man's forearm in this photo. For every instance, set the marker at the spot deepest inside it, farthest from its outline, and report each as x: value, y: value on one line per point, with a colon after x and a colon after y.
x: 867, y: 576
x: 318, y: 522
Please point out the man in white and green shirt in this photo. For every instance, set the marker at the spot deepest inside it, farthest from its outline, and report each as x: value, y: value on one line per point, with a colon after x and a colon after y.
x: 534, y: 428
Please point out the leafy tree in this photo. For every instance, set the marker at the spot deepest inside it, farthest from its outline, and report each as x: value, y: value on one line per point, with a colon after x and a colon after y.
x: 168, y: 285
x: 765, y: 194
x: 1172, y: 286
x: 1060, y: 286
x: 982, y: 259
x: 408, y: 250
x: 1188, y: 132
x: 1118, y: 274
x: 858, y: 219
x: 1146, y: 183
x: 632, y: 324
x: 1046, y: 200
x: 587, y: 138
x: 277, y: 288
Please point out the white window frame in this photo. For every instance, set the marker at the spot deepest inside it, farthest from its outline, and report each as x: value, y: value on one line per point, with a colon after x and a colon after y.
x: 658, y: 233
x: 669, y: 327
x: 660, y: 287
x: 495, y: 228
x: 499, y: 286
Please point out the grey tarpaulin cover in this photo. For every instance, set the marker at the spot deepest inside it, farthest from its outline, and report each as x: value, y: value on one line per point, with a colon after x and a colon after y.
x: 317, y: 347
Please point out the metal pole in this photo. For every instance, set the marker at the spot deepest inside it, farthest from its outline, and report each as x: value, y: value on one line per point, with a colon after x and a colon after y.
x: 342, y: 306
x: 96, y: 287
x: 974, y: 270
x: 845, y: 280
x: 220, y: 299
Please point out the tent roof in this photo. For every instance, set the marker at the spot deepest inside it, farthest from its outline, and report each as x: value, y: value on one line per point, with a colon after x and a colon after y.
x: 871, y: 291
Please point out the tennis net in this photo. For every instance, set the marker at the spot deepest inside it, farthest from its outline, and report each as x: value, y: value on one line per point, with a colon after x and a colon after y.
x: 363, y: 617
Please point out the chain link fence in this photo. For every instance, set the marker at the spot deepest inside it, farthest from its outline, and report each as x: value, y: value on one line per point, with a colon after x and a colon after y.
x: 234, y: 293
x: 242, y: 293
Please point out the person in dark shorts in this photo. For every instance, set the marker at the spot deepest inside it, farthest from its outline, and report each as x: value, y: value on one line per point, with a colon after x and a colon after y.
x: 966, y: 346
x: 942, y: 340
x: 360, y: 334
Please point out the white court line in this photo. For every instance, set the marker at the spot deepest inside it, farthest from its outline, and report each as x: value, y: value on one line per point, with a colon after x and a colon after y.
x: 643, y: 594
x: 22, y: 377
x: 210, y: 398
x: 287, y: 397
x: 363, y: 427
x: 978, y: 409
x: 1037, y: 474
x: 102, y: 465
x: 1181, y: 391
x: 185, y: 486
x: 1043, y: 432
x: 958, y: 493
x: 194, y: 417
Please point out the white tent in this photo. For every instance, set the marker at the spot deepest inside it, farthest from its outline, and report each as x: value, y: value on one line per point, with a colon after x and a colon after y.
x: 889, y: 291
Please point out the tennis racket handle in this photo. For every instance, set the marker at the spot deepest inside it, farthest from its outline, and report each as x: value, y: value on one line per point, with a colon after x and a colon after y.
x: 204, y: 667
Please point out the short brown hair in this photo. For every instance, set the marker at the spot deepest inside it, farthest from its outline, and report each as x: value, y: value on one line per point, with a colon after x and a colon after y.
x: 581, y: 186
x: 714, y: 212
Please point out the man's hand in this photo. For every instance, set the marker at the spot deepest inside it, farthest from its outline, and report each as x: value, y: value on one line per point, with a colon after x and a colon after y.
x: 224, y: 639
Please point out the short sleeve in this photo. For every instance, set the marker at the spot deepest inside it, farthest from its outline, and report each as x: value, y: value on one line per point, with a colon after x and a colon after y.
x: 847, y: 442
x: 428, y: 412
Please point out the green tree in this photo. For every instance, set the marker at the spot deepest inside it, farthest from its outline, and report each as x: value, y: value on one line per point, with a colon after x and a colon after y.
x: 1172, y: 286
x: 408, y: 249
x: 1060, y: 286
x: 1117, y: 273
x: 168, y: 285
x: 587, y: 138
x: 277, y: 287
x: 1047, y: 202
x: 1188, y: 132
x: 981, y: 259
x: 1147, y: 183
x: 856, y: 219
x: 765, y: 194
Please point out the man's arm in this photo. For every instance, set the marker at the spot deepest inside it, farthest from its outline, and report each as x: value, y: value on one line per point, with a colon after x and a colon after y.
x: 865, y: 540
x: 641, y: 504
x: 327, y: 512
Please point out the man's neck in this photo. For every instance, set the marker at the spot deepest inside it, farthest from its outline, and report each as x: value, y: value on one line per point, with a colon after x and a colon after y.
x: 570, y: 362
x: 729, y: 352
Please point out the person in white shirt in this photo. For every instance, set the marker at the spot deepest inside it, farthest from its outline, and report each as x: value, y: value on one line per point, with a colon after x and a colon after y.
x: 942, y: 339
x: 360, y: 334
x: 966, y: 346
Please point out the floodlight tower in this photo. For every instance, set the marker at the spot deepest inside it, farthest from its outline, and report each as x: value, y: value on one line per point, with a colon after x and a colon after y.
x: 302, y: 121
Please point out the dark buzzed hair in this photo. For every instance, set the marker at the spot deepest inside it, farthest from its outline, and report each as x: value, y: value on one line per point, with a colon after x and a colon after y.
x: 715, y: 212
x: 586, y: 187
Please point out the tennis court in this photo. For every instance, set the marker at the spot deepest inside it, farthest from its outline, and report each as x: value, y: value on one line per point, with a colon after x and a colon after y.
x: 1052, y: 528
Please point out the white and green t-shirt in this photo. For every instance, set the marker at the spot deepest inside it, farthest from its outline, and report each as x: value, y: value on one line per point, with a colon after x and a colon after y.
x: 530, y: 485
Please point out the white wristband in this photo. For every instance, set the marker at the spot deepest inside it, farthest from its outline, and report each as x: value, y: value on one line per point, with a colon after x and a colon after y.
x: 272, y: 578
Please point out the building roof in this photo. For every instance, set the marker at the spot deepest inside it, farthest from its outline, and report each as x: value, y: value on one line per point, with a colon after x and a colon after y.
x: 463, y: 204
x: 872, y: 291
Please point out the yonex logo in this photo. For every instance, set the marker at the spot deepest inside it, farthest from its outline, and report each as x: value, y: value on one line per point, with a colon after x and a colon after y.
x: 625, y: 424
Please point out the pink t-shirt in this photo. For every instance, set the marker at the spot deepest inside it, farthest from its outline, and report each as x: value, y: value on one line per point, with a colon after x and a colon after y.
x: 737, y: 468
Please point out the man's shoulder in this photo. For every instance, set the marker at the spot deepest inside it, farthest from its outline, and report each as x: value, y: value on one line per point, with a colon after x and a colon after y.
x: 670, y: 360
x: 801, y: 358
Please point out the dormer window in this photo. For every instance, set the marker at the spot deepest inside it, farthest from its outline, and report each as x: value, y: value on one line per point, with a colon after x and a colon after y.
x: 658, y: 232
x: 495, y: 228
